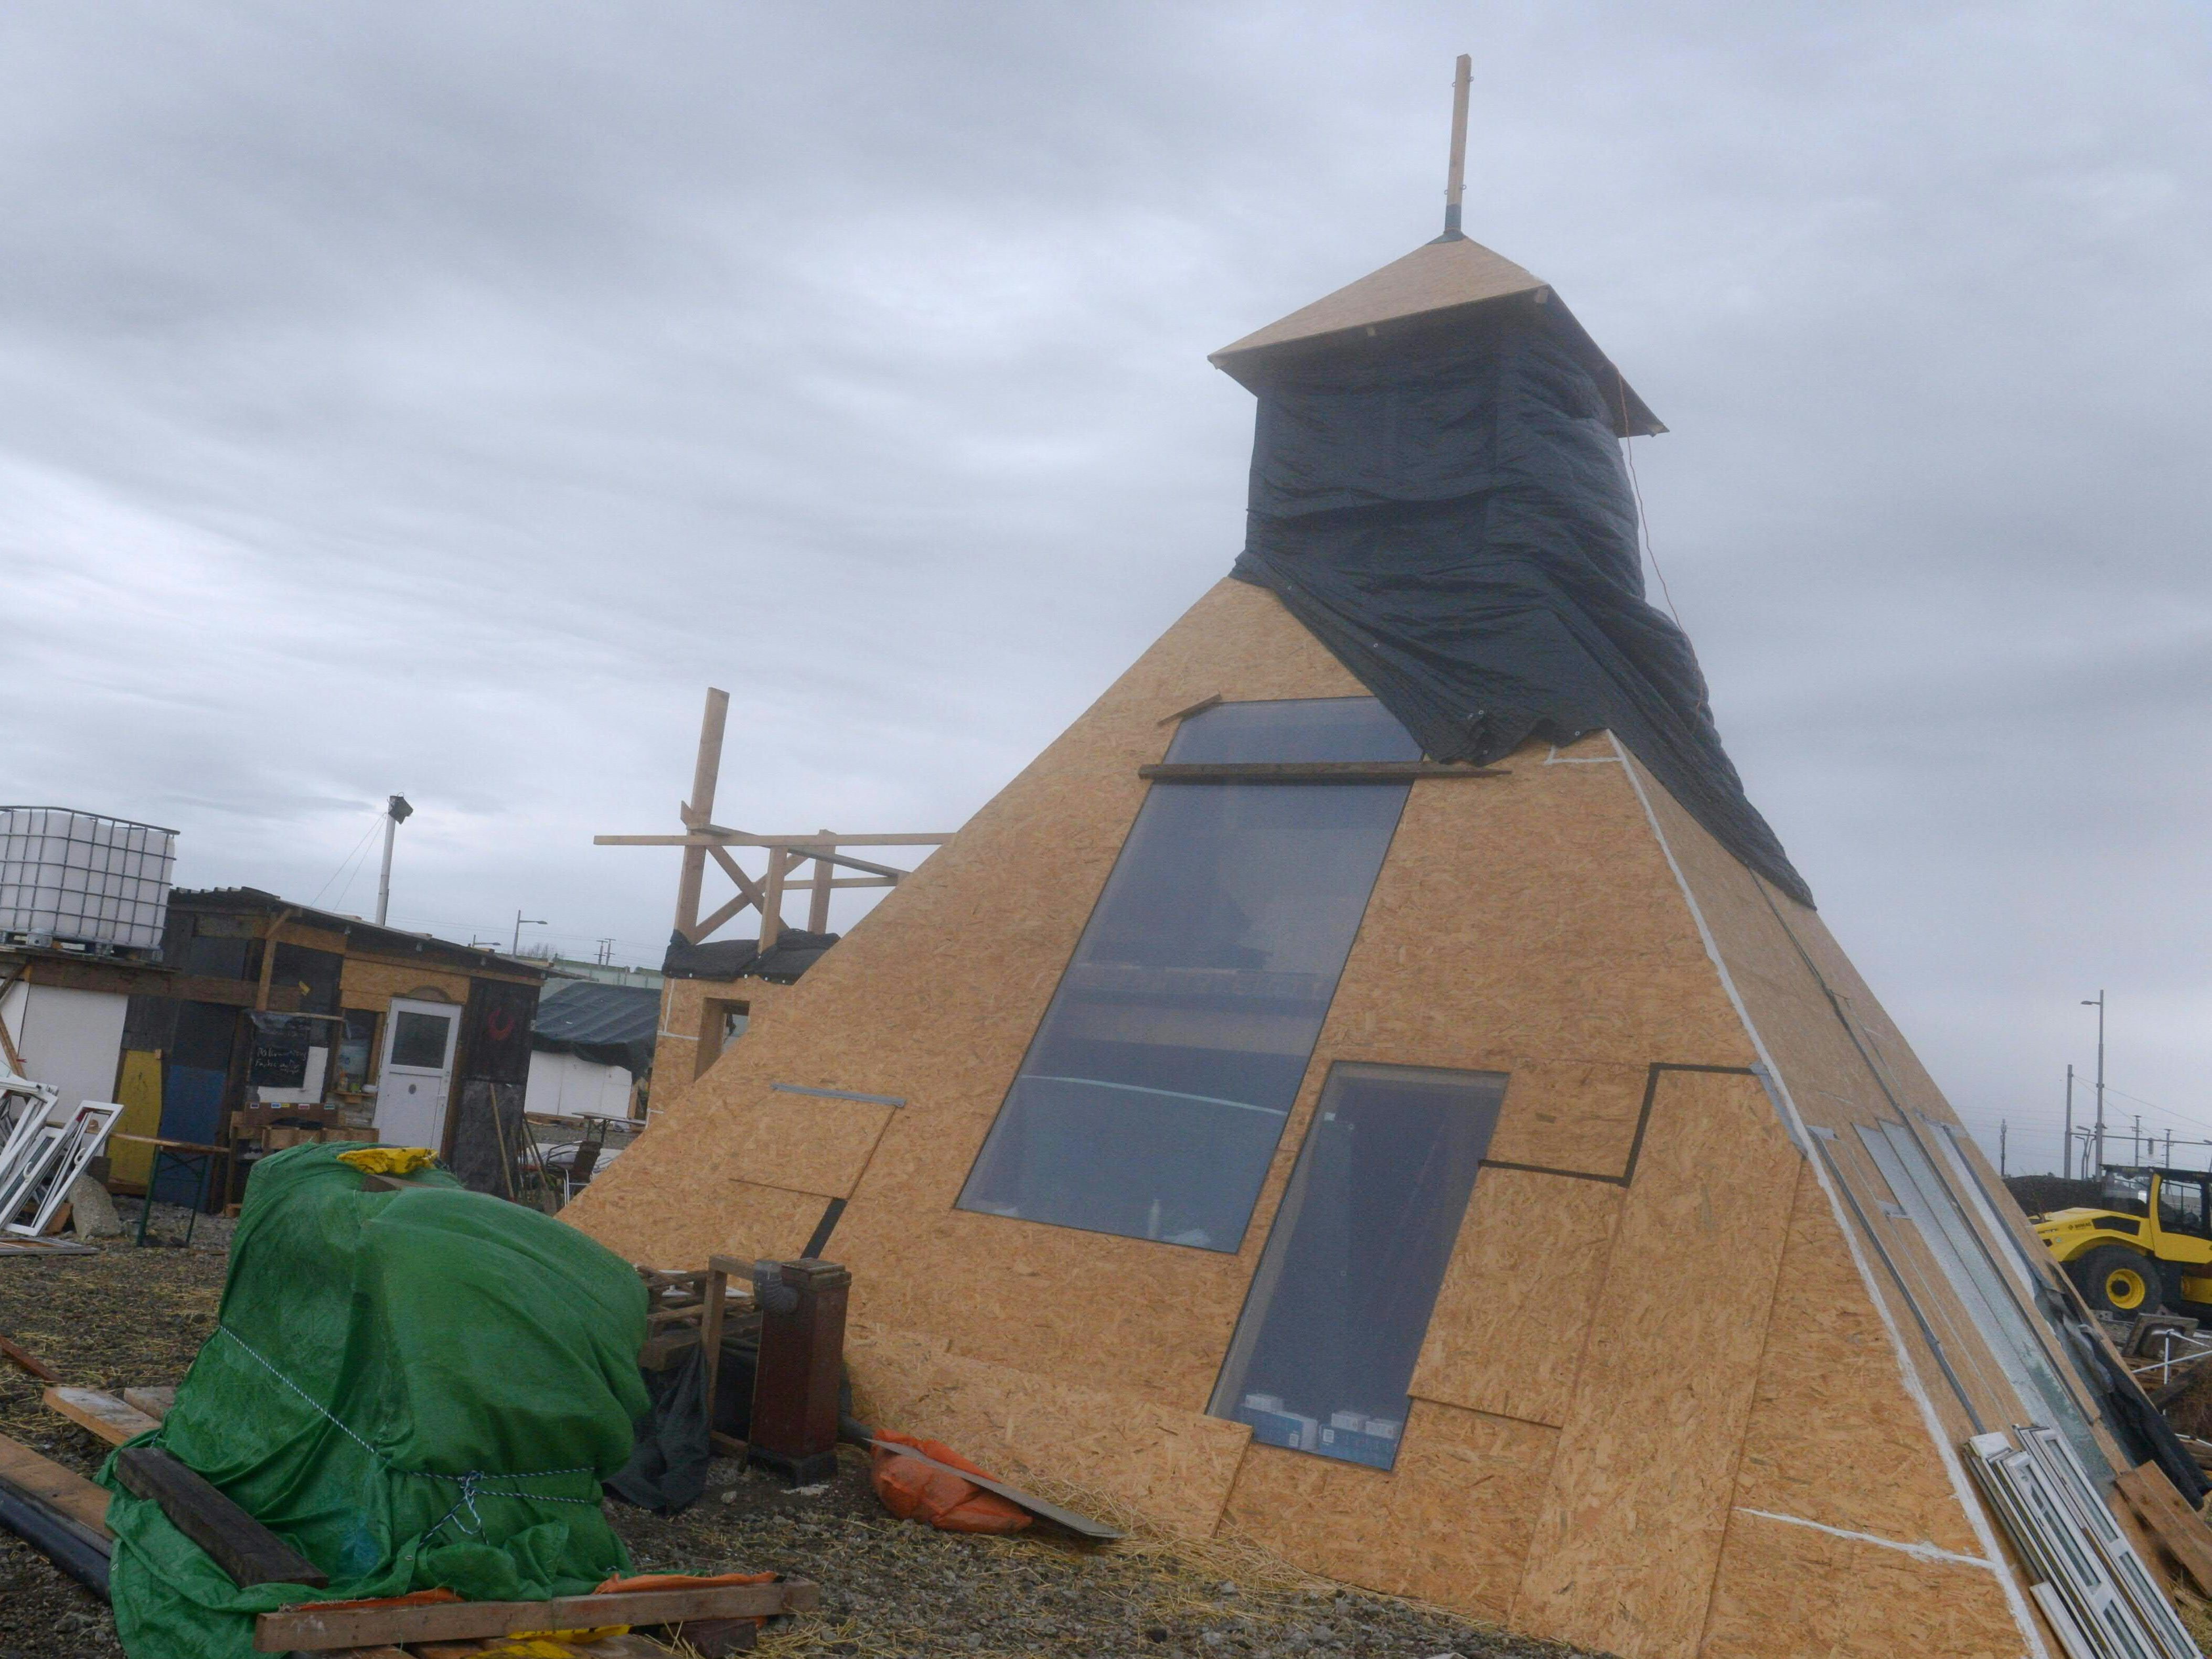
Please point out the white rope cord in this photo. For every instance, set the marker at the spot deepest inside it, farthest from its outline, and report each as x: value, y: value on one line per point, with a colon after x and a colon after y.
x: 471, y: 1483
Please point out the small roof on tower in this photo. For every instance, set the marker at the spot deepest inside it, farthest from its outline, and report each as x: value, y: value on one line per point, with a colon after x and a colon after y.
x: 1451, y: 274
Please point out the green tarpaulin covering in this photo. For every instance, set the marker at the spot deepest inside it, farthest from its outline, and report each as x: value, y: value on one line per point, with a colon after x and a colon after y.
x: 415, y: 1389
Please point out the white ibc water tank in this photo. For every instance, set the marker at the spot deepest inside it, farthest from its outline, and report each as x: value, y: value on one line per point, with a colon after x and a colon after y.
x: 78, y: 879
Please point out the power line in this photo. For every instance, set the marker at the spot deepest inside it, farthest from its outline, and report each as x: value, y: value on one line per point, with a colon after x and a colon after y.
x: 358, y: 846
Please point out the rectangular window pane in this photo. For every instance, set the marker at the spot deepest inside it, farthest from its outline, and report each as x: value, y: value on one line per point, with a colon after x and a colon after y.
x: 419, y: 1040
x: 1162, y: 1074
x: 1990, y: 1301
x: 1339, y: 1310
x: 1302, y: 729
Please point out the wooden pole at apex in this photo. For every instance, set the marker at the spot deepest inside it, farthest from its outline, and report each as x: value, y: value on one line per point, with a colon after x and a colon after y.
x: 1455, y: 177
x: 700, y: 809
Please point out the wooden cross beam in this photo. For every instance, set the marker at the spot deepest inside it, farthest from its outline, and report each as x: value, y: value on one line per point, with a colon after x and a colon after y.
x: 703, y: 839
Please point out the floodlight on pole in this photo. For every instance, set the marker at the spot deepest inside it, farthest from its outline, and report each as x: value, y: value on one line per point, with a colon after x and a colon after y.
x: 396, y: 812
x: 2098, y: 1005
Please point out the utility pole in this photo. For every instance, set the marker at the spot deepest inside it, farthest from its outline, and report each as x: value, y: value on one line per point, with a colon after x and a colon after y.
x: 2003, y: 1128
x: 2066, y: 1164
x: 2098, y: 1005
x: 396, y: 812
x: 522, y: 921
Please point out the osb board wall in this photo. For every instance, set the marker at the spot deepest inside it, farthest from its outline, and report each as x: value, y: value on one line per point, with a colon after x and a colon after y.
x: 1834, y: 1439
x: 1628, y: 1540
x: 907, y: 1006
x: 688, y: 1041
x: 1172, y: 1467
x: 1528, y: 925
x: 781, y: 1220
x: 1765, y: 940
x: 367, y: 983
x: 312, y: 939
x: 1792, y: 1590
x: 1515, y: 1310
x: 1457, y: 964
x: 1451, y: 1524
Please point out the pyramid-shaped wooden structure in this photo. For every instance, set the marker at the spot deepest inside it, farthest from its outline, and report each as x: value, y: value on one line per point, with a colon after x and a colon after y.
x: 1697, y: 1353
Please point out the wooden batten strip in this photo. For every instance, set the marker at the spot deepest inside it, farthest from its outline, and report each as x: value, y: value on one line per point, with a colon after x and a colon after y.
x: 308, y: 1628
x: 1311, y: 771
x: 59, y: 1488
x: 249, y: 1552
x: 103, y: 1413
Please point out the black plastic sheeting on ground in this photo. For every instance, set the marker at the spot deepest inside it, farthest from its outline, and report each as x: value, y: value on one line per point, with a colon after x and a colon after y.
x: 1449, y: 514
x: 794, y: 951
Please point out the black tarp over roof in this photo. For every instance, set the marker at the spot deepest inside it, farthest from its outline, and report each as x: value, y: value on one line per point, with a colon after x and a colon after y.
x: 1446, y: 508
x: 607, y: 1025
x: 794, y: 951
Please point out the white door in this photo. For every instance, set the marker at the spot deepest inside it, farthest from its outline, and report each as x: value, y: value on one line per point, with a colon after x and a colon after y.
x: 417, y: 1072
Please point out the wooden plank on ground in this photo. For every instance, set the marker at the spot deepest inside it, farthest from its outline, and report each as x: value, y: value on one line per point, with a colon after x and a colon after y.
x: 311, y: 1629
x: 48, y: 1482
x: 240, y: 1545
x: 2181, y: 1532
x: 103, y: 1413
x: 23, y: 1360
x: 154, y: 1402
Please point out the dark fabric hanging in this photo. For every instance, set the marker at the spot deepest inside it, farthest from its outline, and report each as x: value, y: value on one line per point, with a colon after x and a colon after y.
x: 1449, y: 514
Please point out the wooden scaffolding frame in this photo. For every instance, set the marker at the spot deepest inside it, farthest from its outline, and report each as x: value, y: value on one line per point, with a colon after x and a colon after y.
x: 703, y: 839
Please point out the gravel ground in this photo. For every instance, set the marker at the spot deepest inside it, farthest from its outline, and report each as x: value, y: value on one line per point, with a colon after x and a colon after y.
x: 129, y: 1317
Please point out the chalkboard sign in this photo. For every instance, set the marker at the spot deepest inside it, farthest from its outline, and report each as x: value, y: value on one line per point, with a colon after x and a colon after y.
x: 280, y: 1051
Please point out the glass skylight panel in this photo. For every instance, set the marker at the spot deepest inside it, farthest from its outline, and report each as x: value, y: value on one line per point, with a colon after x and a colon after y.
x: 1162, y: 1073
x: 1325, y: 1350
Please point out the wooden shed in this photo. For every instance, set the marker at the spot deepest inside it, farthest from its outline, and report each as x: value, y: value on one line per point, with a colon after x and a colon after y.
x: 424, y: 1040
x: 1472, y: 1181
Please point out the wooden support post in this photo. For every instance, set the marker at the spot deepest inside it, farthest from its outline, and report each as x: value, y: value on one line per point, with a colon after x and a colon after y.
x: 780, y: 859
x: 748, y: 889
x: 710, y: 1328
x: 818, y: 906
x: 802, y: 1351
x: 706, y: 774
x: 240, y: 1545
x: 269, y: 959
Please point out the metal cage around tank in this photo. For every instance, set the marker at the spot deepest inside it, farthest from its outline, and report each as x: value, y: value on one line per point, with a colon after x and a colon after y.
x: 72, y: 878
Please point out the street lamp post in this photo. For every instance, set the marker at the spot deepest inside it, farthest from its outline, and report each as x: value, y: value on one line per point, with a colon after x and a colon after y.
x: 396, y: 812
x: 2098, y: 1005
x: 2066, y: 1163
x: 522, y: 921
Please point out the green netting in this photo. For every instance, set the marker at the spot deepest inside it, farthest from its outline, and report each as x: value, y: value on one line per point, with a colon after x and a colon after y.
x: 415, y: 1389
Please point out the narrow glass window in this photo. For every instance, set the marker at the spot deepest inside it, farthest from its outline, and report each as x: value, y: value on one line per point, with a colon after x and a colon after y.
x: 1325, y: 1349
x: 1995, y: 1312
x: 1161, y: 1076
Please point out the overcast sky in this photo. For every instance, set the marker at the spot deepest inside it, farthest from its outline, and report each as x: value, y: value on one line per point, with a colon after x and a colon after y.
x: 436, y: 398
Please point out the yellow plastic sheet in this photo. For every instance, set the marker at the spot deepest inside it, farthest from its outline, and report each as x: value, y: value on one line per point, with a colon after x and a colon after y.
x: 390, y: 1160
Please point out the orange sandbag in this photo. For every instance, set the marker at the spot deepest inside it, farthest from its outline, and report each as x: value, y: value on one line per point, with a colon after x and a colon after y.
x: 914, y: 1492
